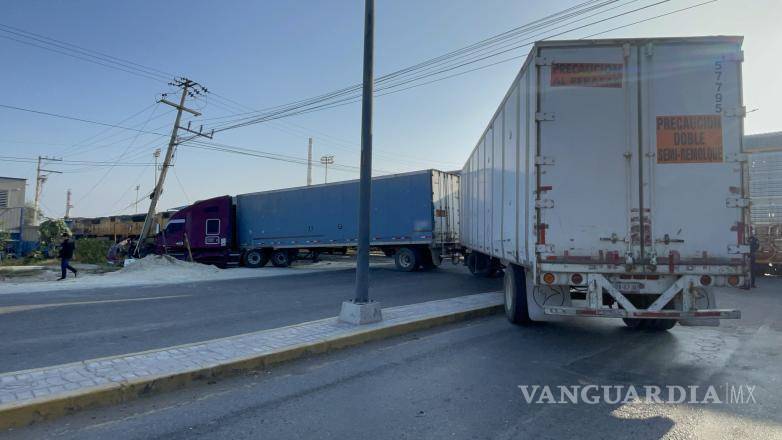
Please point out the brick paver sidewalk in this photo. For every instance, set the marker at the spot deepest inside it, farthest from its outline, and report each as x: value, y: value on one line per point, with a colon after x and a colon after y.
x: 22, y: 387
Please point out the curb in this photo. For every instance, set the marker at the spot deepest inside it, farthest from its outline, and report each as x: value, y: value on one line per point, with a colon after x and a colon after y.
x: 38, y: 410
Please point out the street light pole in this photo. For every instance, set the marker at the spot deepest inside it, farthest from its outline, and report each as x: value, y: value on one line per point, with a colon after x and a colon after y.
x: 326, y: 161
x: 365, y: 184
x: 361, y: 310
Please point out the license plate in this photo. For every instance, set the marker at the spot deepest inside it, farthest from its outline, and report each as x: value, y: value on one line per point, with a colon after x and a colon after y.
x: 628, y: 287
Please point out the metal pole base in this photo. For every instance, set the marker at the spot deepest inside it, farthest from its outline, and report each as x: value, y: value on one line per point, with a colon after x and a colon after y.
x: 360, y: 313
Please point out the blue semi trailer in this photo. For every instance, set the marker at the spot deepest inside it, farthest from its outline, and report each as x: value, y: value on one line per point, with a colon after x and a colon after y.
x: 415, y: 219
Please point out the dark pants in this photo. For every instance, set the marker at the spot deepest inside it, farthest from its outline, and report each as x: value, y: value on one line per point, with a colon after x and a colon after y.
x: 753, y: 271
x: 65, y: 264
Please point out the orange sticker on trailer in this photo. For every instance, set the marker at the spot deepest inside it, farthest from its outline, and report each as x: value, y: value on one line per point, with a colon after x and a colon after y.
x: 689, y: 139
x: 586, y: 75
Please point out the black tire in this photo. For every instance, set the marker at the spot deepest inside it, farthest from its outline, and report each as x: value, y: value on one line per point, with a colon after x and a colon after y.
x: 281, y: 258
x: 479, y: 265
x: 515, y: 285
x: 660, y: 325
x: 427, y: 261
x: 256, y: 258
x: 657, y: 325
x: 407, y: 259
x: 635, y: 323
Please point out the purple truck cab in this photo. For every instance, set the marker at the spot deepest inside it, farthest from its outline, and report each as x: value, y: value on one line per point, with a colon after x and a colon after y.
x: 208, y: 226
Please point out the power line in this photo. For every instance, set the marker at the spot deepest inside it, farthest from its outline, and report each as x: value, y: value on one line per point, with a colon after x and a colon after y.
x: 84, y: 148
x: 182, y: 187
x: 507, y: 34
x: 119, y: 158
x: 82, y: 53
x: 73, y: 118
x: 306, y: 132
x: 355, y: 88
x: 220, y: 147
x: 331, y: 103
x: 651, y: 18
x: 74, y: 162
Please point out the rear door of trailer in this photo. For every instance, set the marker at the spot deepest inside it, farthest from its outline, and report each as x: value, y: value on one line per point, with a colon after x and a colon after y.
x: 639, y: 140
x: 692, y: 115
x: 587, y: 185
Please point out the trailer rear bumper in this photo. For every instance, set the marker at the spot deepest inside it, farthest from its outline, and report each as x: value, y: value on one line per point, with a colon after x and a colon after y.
x: 643, y: 314
x: 684, y: 298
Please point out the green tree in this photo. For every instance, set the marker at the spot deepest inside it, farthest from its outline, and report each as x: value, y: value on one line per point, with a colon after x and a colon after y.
x: 51, y: 230
x: 5, y: 237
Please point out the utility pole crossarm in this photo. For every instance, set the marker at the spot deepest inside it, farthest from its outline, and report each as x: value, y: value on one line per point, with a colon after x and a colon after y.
x: 191, y: 111
x: 199, y: 132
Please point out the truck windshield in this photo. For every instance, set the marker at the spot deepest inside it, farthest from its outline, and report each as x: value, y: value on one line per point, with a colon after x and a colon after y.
x: 175, y: 227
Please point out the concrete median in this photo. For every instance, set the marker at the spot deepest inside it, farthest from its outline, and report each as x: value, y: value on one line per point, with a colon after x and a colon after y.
x: 46, y: 393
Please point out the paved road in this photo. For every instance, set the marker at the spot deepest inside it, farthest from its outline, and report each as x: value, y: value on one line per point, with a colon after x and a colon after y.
x: 462, y: 381
x: 41, y: 329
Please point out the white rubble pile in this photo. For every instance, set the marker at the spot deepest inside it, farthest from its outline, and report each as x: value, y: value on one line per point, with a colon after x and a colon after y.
x: 167, y: 266
x: 159, y: 270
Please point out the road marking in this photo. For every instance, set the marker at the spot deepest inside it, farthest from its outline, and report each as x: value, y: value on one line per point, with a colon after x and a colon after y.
x: 26, y: 307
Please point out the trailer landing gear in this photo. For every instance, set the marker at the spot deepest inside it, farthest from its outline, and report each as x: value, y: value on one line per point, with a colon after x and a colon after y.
x: 483, y: 266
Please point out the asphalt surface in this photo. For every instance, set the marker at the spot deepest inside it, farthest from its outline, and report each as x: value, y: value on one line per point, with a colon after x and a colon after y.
x: 462, y: 382
x: 50, y: 328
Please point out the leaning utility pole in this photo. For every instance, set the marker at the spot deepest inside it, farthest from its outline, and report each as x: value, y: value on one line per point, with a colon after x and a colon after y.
x: 309, y: 163
x: 68, y: 204
x: 189, y: 88
x: 156, y: 154
x: 40, y: 179
x: 361, y: 310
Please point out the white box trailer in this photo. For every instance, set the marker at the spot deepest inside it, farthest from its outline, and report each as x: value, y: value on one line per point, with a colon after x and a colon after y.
x: 765, y: 194
x: 609, y: 183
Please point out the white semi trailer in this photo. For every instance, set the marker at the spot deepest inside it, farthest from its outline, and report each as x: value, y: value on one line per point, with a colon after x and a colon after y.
x: 610, y: 182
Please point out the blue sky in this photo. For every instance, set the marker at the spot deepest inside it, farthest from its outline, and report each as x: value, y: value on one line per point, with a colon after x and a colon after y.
x: 265, y: 53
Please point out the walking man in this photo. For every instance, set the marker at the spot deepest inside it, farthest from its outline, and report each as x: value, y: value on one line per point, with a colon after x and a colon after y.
x: 66, y: 253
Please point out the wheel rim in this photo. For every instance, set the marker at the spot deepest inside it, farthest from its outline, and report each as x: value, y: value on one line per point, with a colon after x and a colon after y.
x: 405, y: 259
x: 280, y: 258
x: 253, y: 258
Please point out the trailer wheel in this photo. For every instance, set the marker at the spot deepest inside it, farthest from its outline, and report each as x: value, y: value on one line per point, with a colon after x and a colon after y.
x: 479, y: 265
x: 256, y: 258
x: 407, y: 259
x: 281, y: 258
x: 650, y: 324
x: 427, y: 260
x: 515, y: 286
x: 635, y: 323
x: 661, y: 324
